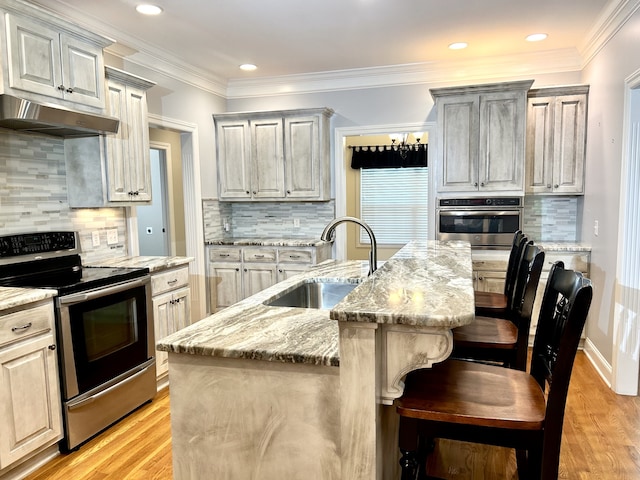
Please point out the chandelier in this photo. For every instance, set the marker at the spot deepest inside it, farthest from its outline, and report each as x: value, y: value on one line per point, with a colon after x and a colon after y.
x: 400, y: 143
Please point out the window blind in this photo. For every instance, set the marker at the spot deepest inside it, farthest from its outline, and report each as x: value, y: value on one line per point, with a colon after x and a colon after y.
x: 394, y: 203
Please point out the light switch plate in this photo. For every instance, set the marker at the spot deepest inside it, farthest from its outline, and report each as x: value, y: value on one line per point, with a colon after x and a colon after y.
x: 95, y: 238
x: 112, y: 236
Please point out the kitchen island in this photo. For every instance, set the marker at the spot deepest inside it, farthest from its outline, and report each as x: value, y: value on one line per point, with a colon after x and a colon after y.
x: 273, y: 392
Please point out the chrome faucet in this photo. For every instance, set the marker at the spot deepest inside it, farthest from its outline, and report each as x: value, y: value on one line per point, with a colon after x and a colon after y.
x: 328, y: 235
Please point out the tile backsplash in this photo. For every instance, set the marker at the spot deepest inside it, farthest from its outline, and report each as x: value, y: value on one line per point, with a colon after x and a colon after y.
x: 33, y: 196
x: 551, y: 218
x: 266, y: 219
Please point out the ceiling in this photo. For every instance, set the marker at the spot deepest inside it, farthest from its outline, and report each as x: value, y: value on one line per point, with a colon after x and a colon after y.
x: 299, y: 37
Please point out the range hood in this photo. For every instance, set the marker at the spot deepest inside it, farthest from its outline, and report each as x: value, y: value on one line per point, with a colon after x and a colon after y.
x: 19, y: 114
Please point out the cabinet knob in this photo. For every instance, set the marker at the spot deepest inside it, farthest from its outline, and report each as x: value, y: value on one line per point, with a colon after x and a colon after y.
x: 482, y: 184
x: 254, y: 192
x: 247, y: 192
x: 61, y: 87
x: 548, y: 185
x: 69, y: 90
x: 475, y: 184
x: 51, y: 347
x: 556, y: 186
x: 288, y: 192
x: 237, y: 269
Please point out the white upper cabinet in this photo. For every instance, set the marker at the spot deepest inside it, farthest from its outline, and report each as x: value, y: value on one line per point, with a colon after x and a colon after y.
x: 556, y: 140
x: 49, y: 58
x: 481, y: 137
x: 273, y: 156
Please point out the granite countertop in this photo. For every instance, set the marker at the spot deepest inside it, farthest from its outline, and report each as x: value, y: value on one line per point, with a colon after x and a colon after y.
x: 11, y: 297
x: 269, y: 242
x: 424, y: 284
x: 154, y: 264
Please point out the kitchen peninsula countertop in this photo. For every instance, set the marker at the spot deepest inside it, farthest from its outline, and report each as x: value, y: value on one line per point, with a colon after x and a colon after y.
x: 154, y: 264
x: 11, y: 297
x: 269, y: 242
x: 426, y: 284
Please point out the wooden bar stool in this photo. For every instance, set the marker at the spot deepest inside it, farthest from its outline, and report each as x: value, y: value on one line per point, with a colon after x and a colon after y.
x: 492, y: 405
x: 504, y: 340
x: 490, y: 304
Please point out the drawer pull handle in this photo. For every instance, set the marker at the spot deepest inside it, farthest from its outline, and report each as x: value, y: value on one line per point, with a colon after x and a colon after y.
x: 259, y: 256
x: 224, y: 254
x: 172, y: 282
x: 295, y: 256
x: 21, y: 327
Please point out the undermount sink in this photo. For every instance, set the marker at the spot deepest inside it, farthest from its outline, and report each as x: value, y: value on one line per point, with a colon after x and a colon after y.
x: 313, y: 294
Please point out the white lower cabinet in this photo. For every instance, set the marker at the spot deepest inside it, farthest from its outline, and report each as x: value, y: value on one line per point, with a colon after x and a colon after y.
x: 30, y: 405
x: 171, y: 297
x: 235, y: 273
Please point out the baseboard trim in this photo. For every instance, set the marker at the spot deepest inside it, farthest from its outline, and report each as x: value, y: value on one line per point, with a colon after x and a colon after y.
x: 601, y: 365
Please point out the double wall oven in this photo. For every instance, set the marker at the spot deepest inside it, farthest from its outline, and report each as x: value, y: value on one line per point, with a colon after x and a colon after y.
x: 485, y: 222
x: 104, y: 326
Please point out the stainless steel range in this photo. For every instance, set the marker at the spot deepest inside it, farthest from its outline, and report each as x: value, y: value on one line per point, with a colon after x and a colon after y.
x: 104, y: 326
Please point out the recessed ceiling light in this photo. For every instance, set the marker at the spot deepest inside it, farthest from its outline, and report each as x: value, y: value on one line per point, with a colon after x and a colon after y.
x: 458, y: 46
x: 147, y: 9
x: 536, y: 37
x: 248, y: 67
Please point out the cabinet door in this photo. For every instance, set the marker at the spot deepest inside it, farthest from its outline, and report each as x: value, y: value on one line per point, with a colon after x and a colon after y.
x: 286, y: 271
x: 539, y: 149
x: 569, y: 136
x: 138, y: 144
x: 458, y: 142
x: 34, y: 57
x: 302, y: 157
x: 225, y: 285
x: 267, y: 174
x: 501, y: 146
x: 257, y: 277
x: 490, y: 281
x: 162, y: 324
x: 82, y: 71
x: 234, y: 159
x: 29, y: 398
x: 181, y: 309
x: 117, y: 149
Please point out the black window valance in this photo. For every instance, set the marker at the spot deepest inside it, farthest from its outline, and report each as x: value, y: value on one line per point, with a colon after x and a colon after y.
x: 389, y: 156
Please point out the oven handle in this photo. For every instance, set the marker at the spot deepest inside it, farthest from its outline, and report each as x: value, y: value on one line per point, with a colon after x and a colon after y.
x: 460, y: 213
x: 101, y: 292
x: 93, y: 398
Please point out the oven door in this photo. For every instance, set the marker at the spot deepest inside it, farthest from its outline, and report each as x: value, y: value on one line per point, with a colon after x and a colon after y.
x: 104, y: 333
x: 482, y: 228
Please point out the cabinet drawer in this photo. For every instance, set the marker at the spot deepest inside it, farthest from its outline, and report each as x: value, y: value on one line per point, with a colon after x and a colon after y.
x: 224, y: 254
x: 165, y: 281
x: 259, y: 255
x: 295, y: 256
x: 25, y: 323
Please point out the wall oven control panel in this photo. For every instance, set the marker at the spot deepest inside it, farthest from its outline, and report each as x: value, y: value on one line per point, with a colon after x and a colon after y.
x: 481, y: 202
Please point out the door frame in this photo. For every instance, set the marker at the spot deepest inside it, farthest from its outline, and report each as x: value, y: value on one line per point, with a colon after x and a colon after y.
x: 626, y: 316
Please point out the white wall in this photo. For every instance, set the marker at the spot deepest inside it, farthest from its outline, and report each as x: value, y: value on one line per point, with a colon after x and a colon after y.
x: 606, y: 74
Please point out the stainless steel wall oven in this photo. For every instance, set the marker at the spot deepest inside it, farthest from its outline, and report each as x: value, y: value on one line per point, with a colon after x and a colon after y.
x: 485, y: 222
x: 104, y: 324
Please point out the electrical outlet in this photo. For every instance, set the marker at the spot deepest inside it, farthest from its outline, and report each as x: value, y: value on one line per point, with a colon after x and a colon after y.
x: 95, y: 238
x: 296, y: 223
x: 596, y: 228
x: 225, y: 224
x: 112, y: 236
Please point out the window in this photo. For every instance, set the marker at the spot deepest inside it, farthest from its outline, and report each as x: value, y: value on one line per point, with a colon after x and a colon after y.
x: 394, y: 202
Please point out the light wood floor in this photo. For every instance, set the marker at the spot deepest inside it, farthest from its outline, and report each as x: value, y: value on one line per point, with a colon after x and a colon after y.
x: 601, y: 441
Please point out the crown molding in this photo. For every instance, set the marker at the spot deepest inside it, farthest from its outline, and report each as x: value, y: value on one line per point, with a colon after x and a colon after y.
x: 417, y: 73
x: 614, y: 16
